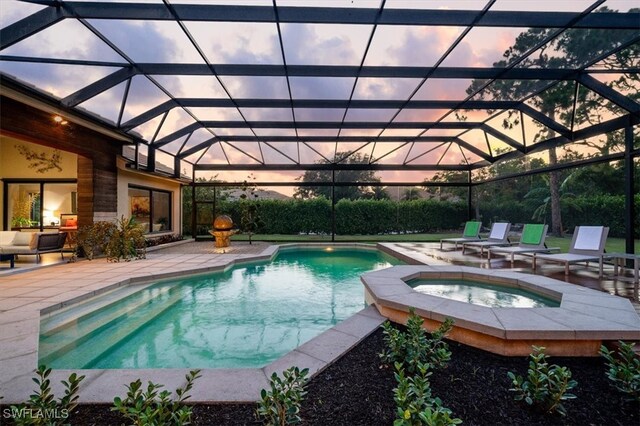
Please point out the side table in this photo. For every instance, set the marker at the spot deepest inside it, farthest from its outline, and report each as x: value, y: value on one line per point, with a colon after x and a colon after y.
x: 617, y: 258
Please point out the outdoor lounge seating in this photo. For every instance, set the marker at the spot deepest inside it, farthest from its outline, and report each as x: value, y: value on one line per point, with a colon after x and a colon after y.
x: 587, y: 246
x: 471, y: 233
x: 32, y: 243
x: 531, y: 241
x: 499, y: 236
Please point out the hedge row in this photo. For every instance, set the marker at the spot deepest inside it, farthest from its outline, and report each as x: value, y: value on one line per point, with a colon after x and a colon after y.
x: 606, y: 210
x: 352, y: 216
x: 371, y: 217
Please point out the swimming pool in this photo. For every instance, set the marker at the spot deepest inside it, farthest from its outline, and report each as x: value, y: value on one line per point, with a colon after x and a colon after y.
x: 244, y: 317
x: 481, y: 293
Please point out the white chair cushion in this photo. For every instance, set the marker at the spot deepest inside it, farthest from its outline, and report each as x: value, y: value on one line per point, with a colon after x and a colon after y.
x: 498, y: 231
x: 22, y: 239
x: 6, y: 237
x: 588, y: 238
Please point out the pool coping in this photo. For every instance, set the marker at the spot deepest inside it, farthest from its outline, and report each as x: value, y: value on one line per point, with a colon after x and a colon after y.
x: 20, y: 325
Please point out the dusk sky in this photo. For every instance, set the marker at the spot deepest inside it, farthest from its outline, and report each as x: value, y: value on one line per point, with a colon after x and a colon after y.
x: 303, y: 44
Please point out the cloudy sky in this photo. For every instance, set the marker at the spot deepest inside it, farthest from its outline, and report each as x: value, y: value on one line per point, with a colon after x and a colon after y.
x: 258, y: 43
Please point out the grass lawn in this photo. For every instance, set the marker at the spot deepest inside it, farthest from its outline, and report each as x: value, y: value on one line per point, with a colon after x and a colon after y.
x: 613, y: 244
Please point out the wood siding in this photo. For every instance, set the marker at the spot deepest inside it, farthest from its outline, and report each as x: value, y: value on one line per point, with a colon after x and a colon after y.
x: 97, y: 153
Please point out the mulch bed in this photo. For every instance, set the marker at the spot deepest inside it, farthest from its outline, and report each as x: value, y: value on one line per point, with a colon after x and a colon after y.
x: 357, y: 390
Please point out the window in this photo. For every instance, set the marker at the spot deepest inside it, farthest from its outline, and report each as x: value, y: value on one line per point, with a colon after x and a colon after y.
x: 38, y: 204
x: 151, y: 208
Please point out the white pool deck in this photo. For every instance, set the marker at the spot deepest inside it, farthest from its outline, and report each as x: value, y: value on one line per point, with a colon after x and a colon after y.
x: 26, y: 296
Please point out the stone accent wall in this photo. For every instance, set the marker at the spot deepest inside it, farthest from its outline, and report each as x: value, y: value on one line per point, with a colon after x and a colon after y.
x: 104, y: 216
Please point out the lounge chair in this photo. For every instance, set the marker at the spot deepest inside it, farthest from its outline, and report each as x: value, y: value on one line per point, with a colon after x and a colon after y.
x: 471, y: 233
x: 531, y: 241
x: 499, y: 236
x: 587, y: 246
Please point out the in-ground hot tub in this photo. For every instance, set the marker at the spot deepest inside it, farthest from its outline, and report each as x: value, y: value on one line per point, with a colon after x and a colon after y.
x: 482, y: 293
x: 577, y: 326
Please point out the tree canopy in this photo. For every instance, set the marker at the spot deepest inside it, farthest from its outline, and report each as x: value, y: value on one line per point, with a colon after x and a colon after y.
x: 571, y: 49
x: 350, y: 192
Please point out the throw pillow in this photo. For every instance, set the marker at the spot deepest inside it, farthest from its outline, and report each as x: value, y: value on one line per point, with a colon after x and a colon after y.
x: 22, y: 238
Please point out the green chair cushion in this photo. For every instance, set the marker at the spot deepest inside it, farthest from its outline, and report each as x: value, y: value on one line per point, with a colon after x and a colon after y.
x: 471, y: 229
x: 532, y: 234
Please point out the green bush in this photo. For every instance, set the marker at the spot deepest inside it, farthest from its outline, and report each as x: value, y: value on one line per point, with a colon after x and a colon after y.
x: 155, y: 407
x: 514, y: 212
x: 606, y: 210
x: 281, y: 405
x: 42, y: 408
x: 546, y: 386
x: 414, y: 346
x: 353, y: 217
x: 414, y: 404
x: 126, y: 241
x: 92, y: 240
x: 372, y: 217
x: 624, y: 369
x: 123, y: 239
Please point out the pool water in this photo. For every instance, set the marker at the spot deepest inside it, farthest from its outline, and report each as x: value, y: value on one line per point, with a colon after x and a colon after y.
x: 481, y: 293
x: 245, y: 317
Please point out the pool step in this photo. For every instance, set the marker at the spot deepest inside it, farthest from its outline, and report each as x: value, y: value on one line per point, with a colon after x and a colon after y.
x: 59, y: 320
x: 104, y: 334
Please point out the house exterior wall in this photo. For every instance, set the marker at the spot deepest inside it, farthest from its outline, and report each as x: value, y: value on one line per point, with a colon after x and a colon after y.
x: 96, y: 176
x: 14, y: 165
x: 127, y: 177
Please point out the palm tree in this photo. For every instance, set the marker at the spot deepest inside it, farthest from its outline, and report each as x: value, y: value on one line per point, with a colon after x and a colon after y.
x: 541, y: 197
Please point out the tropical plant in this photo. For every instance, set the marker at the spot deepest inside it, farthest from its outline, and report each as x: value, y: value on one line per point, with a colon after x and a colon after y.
x: 623, y: 369
x: 155, y: 407
x: 126, y: 241
x: 42, y: 408
x: 92, y: 240
x: 541, y: 197
x: 281, y: 405
x: 22, y: 203
x: 545, y: 386
x: 414, y: 346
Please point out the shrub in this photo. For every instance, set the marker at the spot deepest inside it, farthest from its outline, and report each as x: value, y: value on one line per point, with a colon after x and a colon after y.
x: 369, y: 217
x: 592, y: 209
x: 92, y: 239
x: 126, y: 241
x: 163, y: 239
x: 414, y: 403
x: 123, y: 239
x: 414, y: 346
x: 624, y: 369
x: 281, y: 405
x: 153, y: 407
x: 546, y: 386
x: 42, y: 408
